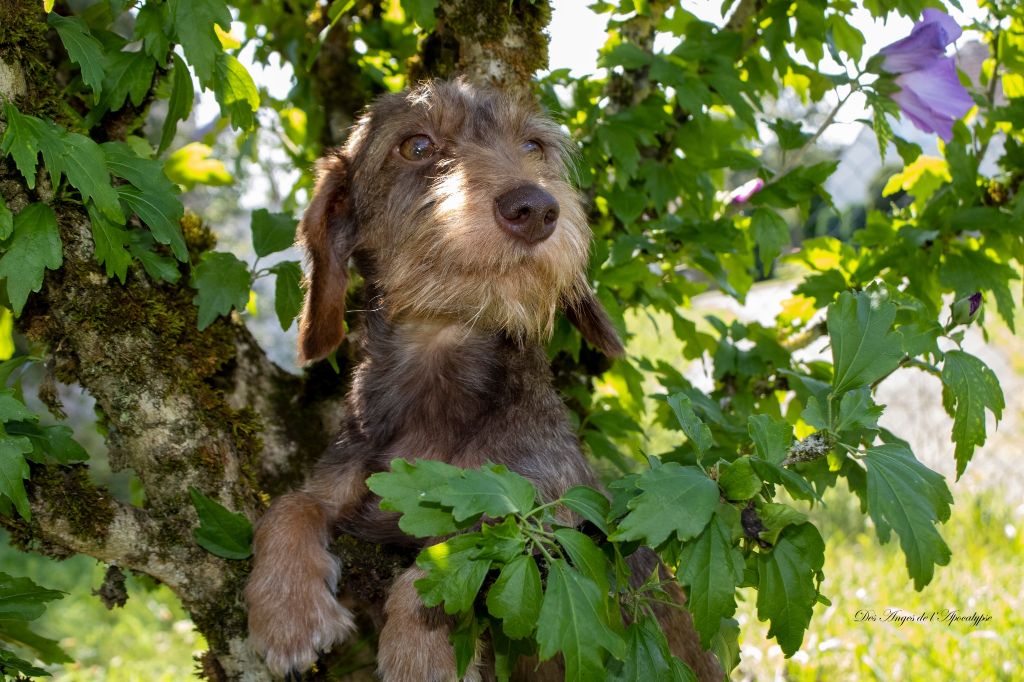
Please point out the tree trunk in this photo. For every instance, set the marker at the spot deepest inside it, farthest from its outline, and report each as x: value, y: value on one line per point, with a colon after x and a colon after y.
x: 184, y: 408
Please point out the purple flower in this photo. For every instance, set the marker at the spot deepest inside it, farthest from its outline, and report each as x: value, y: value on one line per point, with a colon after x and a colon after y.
x: 930, y: 93
x: 742, y: 194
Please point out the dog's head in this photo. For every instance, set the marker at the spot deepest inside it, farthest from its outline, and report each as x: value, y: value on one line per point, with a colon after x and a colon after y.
x: 455, y: 202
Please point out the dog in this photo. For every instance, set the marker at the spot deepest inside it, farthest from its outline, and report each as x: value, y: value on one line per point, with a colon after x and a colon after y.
x: 453, y: 203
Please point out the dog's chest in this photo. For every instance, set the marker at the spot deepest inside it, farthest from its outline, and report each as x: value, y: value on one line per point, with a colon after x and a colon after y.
x: 435, y: 391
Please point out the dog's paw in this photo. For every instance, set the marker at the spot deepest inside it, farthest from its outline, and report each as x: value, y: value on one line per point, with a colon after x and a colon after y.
x: 290, y: 627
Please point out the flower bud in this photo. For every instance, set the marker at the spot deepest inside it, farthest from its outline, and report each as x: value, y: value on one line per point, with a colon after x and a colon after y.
x: 965, y: 310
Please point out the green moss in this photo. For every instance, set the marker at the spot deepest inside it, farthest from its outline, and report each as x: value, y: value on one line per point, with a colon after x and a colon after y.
x: 68, y: 493
x: 220, y: 617
x: 24, y: 41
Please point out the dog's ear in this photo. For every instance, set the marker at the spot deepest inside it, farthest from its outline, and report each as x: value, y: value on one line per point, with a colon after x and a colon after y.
x: 587, y: 314
x: 327, y: 232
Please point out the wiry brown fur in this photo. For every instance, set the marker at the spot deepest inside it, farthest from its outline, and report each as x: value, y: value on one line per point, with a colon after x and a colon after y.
x: 453, y: 367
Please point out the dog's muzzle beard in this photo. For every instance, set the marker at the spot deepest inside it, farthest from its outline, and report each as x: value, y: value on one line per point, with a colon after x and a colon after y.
x: 499, y: 263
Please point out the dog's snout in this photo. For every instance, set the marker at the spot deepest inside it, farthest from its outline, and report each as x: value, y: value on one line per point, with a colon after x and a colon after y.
x: 527, y: 213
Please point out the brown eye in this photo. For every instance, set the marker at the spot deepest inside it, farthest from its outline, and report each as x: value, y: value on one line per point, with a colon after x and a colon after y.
x: 417, y: 148
x: 533, y: 147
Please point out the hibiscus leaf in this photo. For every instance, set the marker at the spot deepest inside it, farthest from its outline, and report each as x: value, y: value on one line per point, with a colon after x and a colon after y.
x: 908, y: 497
x: 864, y: 348
x: 410, y: 488
x: 35, y: 247
x: 515, y: 597
x: 193, y: 22
x: 179, y: 106
x: 973, y: 387
x: 675, y: 499
x: 786, y: 584
x: 288, y: 291
x: 711, y: 567
x: 574, y: 620
x: 82, y: 48
x: 222, y: 282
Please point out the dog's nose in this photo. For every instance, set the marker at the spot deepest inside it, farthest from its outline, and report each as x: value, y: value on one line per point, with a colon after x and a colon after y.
x: 527, y: 212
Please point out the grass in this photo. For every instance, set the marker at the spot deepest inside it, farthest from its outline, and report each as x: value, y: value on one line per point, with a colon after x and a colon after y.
x: 986, y: 535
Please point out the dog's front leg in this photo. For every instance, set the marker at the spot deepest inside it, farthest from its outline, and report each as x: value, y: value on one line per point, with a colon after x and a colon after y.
x: 414, y: 641
x: 291, y: 595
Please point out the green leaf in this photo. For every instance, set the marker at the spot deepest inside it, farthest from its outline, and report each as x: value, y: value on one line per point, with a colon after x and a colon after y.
x: 711, y: 566
x: 515, y: 597
x: 626, y: 55
x: 408, y: 489
x: 775, y: 517
x: 288, y: 291
x: 47, y: 650
x: 151, y: 195
x: 422, y: 12
x: 222, y: 532
x: 845, y: 37
x: 908, y: 497
x: 858, y: 411
x: 863, y: 347
x: 22, y: 599
x: 12, y: 409
x: 585, y: 555
x: 236, y: 92
x: 109, y: 242
x: 9, y: 663
x: 574, y: 621
x: 492, y: 490
x: 973, y: 387
x: 738, y: 480
x: 82, y: 48
x: 34, y: 248
x: 83, y: 163
x: 193, y: 22
x: 160, y: 268
x: 454, y: 575
x: 272, y: 232
x: 588, y: 503
x: 21, y: 142
x: 60, y: 444
x: 464, y: 638
x: 770, y: 233
x: 153, y: 26
x: 129, y: 74
x: 795, y: 484
x: 648, y: 658
x: 222, y: 282
x: 772, y: 437
x: 6, y: 220
x: 179, y: 106
x: 13, y: 472
x: 675, y: 499
x: 786, y: 584
x: 695, y: 429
